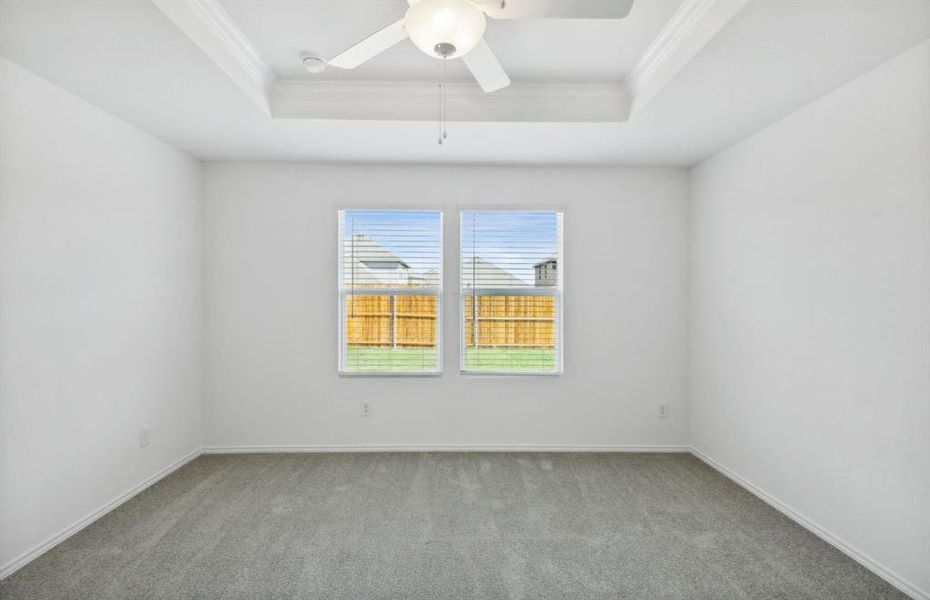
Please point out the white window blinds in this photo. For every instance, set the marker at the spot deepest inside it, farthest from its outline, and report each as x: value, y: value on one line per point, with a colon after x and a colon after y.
x: 511, y: 291
x: 390, y: 291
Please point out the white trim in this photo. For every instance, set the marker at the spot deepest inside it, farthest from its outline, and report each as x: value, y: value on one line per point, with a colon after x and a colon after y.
x: 211, y: 28
x: 834, y: 540
x: 414, y: 101
x: 28, y: 556
x: 692, y: 26
x: 361, y: 448
x: 391, y: 291
x: 525, y: 290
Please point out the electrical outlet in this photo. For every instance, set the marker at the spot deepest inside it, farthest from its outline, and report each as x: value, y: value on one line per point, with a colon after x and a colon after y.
x: 663, y: 410
x: 366, y: 409
x: 144, y: 437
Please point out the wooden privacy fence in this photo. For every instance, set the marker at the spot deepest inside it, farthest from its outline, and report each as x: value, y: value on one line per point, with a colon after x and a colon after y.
x: 410, y: 321
x: 510, y: 322
x: 391, y: 321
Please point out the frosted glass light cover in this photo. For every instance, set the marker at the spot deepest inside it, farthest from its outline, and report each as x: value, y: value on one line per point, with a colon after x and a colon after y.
x: 456, y: 22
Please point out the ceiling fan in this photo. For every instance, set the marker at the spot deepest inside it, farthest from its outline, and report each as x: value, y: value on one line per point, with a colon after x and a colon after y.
x: 447, y: 29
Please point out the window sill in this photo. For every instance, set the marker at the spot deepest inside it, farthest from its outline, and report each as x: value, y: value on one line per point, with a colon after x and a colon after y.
x: 510, y: 374
x: 369, y: 374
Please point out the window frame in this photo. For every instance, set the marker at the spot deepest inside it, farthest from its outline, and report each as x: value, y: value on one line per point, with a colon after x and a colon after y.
x: 343, y: 293
x: 556, y: 291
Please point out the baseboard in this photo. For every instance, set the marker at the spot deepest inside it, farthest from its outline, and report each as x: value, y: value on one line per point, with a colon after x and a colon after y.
x: 837, y: 542
x: 442, y: 448
x: 26, y: 557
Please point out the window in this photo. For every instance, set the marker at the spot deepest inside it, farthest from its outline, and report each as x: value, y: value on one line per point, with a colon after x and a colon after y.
x: 511, y: 289
x: 390, y: 291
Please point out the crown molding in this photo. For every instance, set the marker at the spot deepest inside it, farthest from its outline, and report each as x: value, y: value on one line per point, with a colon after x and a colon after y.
x: 211, y: 28
x: 692, y: 26
x: 416, y: 101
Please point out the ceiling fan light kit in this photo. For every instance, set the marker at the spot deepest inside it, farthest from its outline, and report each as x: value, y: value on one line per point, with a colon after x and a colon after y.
x: 455, y: 29
x: 445, y: 28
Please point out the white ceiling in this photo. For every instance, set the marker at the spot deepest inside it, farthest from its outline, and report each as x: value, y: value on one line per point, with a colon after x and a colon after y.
x: 578, y: 50
x: 770, y: 59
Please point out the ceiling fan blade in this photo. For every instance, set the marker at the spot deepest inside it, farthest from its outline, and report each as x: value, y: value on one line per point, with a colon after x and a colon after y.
x: 370, y: 47
x: 555, y: 9
x: 487, y: 70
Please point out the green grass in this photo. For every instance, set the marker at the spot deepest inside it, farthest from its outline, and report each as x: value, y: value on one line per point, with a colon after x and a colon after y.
x: 388, y: 360
x: 541, y: 360
x: 368, y: 359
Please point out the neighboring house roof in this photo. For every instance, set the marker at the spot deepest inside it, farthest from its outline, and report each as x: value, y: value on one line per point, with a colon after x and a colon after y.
x: 552, y: 258
x: 361, y: 260
x: 361, y: 252
x: 366, y: 250
x: 480, y: 273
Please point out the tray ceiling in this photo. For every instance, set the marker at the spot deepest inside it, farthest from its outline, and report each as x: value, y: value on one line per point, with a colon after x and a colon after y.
x: 715, y: 71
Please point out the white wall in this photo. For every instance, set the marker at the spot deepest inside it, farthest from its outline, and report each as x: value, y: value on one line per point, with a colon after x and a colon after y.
x: 810, y: 353
x: 810, y: 311
x: 270, y: 249
x: 100, y: 308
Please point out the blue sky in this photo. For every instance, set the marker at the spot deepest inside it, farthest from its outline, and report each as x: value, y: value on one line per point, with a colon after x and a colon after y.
x: 413, y: 236
x: 512, y: 240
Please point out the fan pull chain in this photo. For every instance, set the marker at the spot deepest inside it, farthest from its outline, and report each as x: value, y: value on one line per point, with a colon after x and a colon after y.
x: 445, y: 98
x: 442, y: 103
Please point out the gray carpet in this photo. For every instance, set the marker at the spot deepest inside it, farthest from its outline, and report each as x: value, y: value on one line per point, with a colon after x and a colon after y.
x: 440, y: 525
